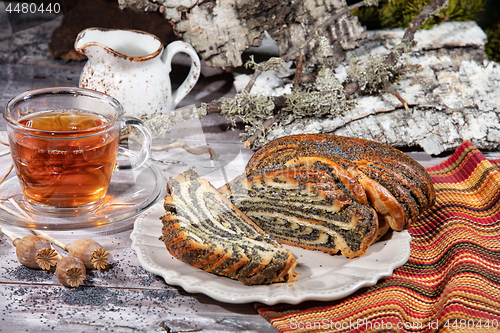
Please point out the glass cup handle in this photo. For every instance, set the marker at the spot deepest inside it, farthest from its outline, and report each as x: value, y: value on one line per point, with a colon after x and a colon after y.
x: 145, y: 151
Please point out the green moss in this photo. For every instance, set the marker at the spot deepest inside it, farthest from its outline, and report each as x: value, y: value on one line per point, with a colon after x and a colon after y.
x: 400, y: 13
x: 492, y: 48
x: 323, y: 47
x: 273, y: 63
x: 368, y: 16
x: 162, y: 123
x: 490, y: 22
x: 326, y: 97
x: 250, y: 108
x: 371, y: 75
x: 462, y: 10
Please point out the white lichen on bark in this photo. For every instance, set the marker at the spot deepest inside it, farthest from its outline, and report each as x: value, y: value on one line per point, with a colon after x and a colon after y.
x: 454, y: 97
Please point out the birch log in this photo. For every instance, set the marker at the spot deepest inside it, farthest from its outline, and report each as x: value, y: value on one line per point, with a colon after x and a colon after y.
x: 220, y: 31
x: 454, y: 97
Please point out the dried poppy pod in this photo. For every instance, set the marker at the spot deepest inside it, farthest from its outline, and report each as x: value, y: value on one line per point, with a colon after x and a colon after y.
x: 34, y: 251
x: 70, y: 271
x: 91, y: 253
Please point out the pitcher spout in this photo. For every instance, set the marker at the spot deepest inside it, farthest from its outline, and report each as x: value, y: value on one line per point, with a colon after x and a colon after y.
x: 129, y: 45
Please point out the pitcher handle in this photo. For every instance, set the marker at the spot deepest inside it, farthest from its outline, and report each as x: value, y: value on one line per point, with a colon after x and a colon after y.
x: 194, y: 72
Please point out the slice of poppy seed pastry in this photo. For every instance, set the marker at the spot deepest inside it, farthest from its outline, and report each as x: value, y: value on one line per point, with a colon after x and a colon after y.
x: 204, y: 229
x: 306, y: 207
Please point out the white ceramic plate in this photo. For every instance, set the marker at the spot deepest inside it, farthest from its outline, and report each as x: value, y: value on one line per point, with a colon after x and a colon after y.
x: 321, y: 276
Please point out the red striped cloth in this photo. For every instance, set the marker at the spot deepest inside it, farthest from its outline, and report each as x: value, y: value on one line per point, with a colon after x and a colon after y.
x: 451, y: 282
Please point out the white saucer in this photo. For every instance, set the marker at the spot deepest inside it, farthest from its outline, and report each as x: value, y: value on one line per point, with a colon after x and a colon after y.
x: 130, y: 193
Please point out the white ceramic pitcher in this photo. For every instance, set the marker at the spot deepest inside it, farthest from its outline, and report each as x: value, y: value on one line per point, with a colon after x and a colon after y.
x: 134, y: 67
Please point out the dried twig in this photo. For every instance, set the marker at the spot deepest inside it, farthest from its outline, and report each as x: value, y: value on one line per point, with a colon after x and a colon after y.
x: 423, y: 16
x: 183, y: 145
x: 296, y: 83
x: 297, y: 79
x: 417, y: 22
x: 408, y: 38
x: 254, y: 77
x: 348, y: 120
x: 393, y: 91
x: 213, y: 107
x: 329, y: 21
x: 7, y: 174
x: 10, y: 211
x: 22, y: 211
x: 250, y: 140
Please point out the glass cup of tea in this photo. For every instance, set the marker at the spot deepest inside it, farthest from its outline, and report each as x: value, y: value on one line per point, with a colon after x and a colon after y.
x: 64, y: 144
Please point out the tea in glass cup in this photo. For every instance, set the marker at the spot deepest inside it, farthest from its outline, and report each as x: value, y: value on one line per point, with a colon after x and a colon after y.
x: 64, y: 142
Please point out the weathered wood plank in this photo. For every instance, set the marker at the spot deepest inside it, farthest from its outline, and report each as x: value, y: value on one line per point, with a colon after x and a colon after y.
x: 124, y: 298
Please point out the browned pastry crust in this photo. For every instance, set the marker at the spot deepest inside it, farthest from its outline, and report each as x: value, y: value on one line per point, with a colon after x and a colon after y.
x: 331, y: 193
x: 397, y: 186
x: 204, y: 229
